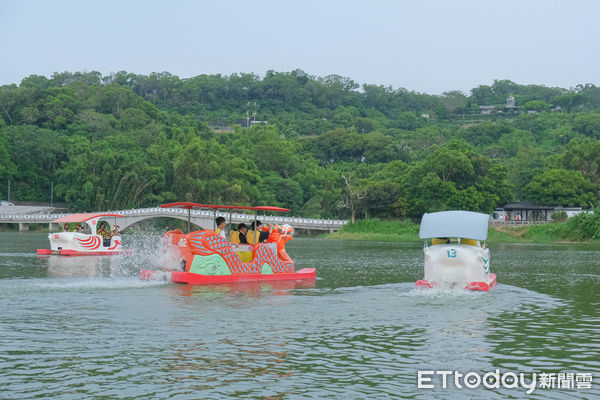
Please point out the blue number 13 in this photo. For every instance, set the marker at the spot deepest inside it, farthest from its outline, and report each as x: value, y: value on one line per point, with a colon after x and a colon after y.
x: 451, y: 253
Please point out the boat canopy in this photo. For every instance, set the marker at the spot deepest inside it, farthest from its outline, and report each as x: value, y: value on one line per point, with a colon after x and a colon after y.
x: 462, y: 224
x: 191, y: 206
x: 84, y: 217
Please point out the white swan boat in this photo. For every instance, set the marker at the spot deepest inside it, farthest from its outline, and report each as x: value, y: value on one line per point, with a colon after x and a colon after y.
x: 457, y: 255
x: 84, y: 243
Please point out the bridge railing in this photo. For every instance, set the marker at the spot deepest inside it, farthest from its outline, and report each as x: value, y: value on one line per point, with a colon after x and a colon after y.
x: 21, y: 217
x: 236, y: 216
x: 33, y: 218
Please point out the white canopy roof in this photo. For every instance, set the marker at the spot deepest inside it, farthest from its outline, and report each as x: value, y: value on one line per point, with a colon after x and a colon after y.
x: 463, y: 224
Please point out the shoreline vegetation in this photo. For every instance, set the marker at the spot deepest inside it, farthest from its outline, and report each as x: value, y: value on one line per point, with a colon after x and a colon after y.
x: 582, y: 228
x: 323, y: 147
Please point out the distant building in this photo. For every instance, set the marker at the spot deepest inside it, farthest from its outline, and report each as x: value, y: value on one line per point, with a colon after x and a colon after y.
x: 510, y: 102
x: 222, y: 126
x: 487, y: 109
x: 247, y: 123
x: 529, y: 212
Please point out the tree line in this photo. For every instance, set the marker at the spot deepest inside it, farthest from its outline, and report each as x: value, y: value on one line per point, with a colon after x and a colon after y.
x: 329, y: 148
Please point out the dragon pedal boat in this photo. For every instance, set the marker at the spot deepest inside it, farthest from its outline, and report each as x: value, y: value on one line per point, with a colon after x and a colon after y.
x: 211, y: 259
x: 457, y: 256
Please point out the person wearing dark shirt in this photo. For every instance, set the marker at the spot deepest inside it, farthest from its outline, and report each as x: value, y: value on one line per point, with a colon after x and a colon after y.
x: 256, y: 233
x: 243, y: 229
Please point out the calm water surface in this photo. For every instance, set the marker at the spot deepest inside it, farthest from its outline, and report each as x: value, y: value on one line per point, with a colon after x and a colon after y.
x: 87, y: 327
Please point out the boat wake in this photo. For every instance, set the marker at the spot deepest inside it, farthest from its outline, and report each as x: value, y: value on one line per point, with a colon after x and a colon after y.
x: 68, y: 284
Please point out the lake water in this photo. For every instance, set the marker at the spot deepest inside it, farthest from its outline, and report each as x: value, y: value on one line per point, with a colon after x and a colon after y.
x: 87, y: 327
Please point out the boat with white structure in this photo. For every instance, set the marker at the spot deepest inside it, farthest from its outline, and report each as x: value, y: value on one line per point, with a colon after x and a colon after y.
x: 455, y: 250
x: 87, y: 241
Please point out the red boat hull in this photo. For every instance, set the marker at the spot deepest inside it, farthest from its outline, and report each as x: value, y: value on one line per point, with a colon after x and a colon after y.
x: 198, y: 279
x: 477, y: 286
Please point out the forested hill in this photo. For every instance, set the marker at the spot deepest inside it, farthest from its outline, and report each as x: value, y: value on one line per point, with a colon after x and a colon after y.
x: 324, y: 147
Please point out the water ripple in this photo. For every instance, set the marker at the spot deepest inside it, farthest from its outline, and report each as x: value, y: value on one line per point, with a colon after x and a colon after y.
x: 92, y: 330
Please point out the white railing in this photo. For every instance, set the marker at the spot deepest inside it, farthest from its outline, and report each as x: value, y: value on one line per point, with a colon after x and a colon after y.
x: 24, y: 218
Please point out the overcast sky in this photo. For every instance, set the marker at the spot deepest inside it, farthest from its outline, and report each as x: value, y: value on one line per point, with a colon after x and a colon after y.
x: 429, y: 46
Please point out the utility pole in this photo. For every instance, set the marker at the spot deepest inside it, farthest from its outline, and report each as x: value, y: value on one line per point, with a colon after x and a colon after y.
x: 51, y: 193
x: 8, y: 199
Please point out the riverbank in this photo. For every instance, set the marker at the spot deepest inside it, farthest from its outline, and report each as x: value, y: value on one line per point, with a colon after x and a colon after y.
x: 376, y: 230
x: 584, y: 228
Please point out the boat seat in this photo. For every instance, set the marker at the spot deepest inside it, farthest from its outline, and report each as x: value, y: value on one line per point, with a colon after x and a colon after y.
x: 435, y: 241
x: 469, y: 242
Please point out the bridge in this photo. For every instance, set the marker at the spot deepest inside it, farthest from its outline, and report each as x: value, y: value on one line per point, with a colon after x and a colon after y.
x: 201, y: 218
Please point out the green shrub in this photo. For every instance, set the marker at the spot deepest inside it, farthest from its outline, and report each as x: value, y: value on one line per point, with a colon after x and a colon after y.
x: 545, y: 233
x: 559, y: 216
x: 585, y: 225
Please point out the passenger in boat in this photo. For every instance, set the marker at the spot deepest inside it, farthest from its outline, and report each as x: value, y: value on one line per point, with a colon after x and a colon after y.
x: 250, y: 235
x: 66, y: 227
x: 242, y: 229
x: 103, y: 231
x: 253, y: 237
x: 264, y: 234
x: 78, y: 228
x: 115, y: 231
x: 220, y: 221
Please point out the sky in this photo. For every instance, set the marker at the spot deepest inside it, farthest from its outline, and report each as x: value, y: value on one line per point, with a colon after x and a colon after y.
x: 427, y: 46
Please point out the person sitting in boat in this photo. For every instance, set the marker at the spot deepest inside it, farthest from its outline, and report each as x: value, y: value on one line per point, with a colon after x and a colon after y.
x: 220, y: 221
x: 238, y: 236
x: 115, y: 231
x: 66, y: 227
x: 78, y: 228
x: 103, y: 231
x: 253, y: 237
x: 242, y: 229
x: 250, y: 235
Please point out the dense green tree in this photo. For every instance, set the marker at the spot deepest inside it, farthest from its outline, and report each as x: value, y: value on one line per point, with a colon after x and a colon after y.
x: 127, y: 140
x: 583, y: 155
x: 569, y: 101
x: 588, y: 125
x: 7, y: 167
x: 283, y: 192
x: 537, y: 105
x: 384, y: 190
x: 560, y: 187
x: 454, y: 176
x: 35, y: 155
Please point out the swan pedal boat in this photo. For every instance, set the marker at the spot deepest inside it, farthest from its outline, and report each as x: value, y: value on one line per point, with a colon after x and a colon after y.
x: 465, y: 263
x: 208, y: 258
x: 83, y: 244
